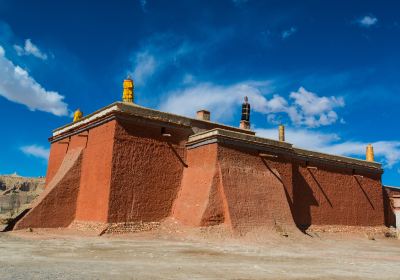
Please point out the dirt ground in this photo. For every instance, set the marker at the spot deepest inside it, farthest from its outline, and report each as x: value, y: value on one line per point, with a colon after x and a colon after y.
x: 55, y: 255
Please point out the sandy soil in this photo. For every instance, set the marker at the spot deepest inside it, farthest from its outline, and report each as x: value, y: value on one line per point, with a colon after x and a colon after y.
x: 55, y: 255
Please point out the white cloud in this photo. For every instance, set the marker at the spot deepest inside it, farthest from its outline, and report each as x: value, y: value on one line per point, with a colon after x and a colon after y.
x: 388, y: 151
x: 36, y: 151
x: 159, y: 52
x: 276, y: 104
x: 311, y: 110
x: 289, y: 32
x: 311, y: 104
x: 302, y: 138
x: 218, y: 99
x: 367, y: 21
x: 18, y: 86
x: 145, y: 67
x: 303, y: 107
x: 30, y: 49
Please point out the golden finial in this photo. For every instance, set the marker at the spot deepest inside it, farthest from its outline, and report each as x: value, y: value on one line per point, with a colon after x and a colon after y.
x: 128, y: 92
x: 78, y: 115
x: 282, y: 133
x: 370, y: 153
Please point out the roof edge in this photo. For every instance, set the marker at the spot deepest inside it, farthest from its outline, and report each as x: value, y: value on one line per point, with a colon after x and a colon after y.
x: 204, y: 137
x: 134, y: 109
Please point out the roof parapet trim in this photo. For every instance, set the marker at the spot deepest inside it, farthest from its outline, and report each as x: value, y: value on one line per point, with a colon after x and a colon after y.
x: 139, y: 111
x: 302, y: 153
x: 218, y: 132
x: 256, y: 142
x: 89, y: 118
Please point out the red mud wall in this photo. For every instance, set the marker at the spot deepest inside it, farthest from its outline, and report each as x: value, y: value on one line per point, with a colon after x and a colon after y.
x: 93, y: 198
x: 283, y: 164
x: 57, y: 154
x: 56, y: 205
x: 146, y: 172
x: 390, y: 218
x: 254, y: 191
x: 234, y: 187
x: 329, y: 195
x: 200, y: 201
x: 58, y: 151
x: 131, y: 173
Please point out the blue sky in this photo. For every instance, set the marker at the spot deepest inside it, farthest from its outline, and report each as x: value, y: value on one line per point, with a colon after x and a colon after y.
x: 328, y: 70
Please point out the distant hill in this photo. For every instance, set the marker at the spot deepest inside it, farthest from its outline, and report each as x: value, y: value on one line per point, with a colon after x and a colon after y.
x: 17, y: 193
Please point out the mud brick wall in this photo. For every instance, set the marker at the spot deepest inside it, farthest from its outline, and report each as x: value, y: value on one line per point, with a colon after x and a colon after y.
x: 329, y: 195
x: 146, y: 172
x: 390, y: 218
x: 224, y: 184
x: 130, y: 173
x: 95, y: 183
x: 57, y: 204
x: 245, y: 189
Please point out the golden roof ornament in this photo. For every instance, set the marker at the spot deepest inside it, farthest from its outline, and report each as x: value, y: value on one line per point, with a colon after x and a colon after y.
x: 370, y: 153
x: 128, y: 90
x: 281, y: 133
x: 78, y: 115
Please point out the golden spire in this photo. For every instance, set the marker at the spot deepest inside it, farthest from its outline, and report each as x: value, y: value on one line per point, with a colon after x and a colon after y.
x: 282, y: 133
x: 370, y: 153
x: 78, y: 115
x: 128, y: 92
